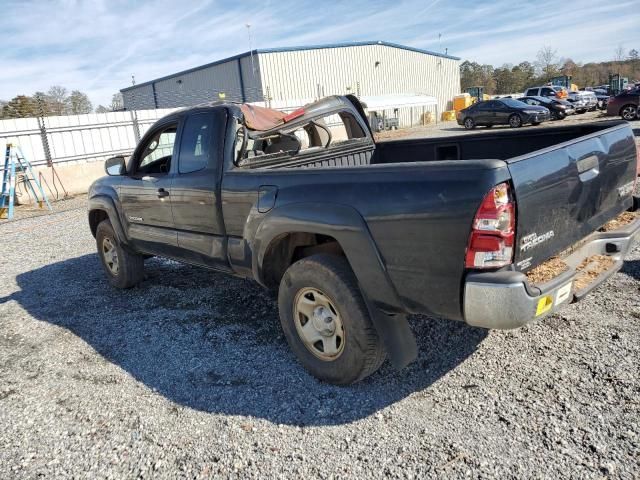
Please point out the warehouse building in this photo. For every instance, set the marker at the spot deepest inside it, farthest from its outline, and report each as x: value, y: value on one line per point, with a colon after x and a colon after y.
x: 290, y: 77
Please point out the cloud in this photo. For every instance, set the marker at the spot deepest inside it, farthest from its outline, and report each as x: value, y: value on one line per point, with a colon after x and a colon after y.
x: 96, y: 46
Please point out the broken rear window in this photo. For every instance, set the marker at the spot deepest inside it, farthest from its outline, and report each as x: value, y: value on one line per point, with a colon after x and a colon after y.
x: 284, y: 141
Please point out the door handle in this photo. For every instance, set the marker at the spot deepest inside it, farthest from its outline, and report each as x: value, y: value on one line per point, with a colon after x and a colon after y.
x: 162, y: 193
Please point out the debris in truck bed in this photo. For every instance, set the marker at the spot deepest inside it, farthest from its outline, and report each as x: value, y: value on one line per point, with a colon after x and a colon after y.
x: 625, y: 218
x: 546, y: 271
x: 590, y: 268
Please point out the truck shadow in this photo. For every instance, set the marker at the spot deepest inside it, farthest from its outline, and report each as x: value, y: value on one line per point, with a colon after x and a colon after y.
x: 213, y: 342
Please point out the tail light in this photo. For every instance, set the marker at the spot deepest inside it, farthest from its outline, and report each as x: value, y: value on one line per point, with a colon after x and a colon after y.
x: 493, y: 231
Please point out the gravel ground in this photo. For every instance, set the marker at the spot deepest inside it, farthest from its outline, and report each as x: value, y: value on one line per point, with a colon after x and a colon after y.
x: 188, y: 376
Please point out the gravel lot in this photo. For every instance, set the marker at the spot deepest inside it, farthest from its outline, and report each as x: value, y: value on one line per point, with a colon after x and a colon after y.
x: 189, y: 376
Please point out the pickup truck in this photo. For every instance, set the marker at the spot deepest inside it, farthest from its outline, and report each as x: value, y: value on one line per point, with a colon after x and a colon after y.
x: 355, y: 235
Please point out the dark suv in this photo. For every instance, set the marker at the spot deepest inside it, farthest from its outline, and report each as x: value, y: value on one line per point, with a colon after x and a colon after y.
x: 625, y: 104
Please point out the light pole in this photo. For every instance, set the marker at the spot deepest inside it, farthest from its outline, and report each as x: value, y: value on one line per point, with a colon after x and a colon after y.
x: 253, y: 68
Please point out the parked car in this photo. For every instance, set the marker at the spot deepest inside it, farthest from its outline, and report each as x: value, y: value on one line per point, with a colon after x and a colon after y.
x: 625, y: 104
x: 559, y: 108
x: 504, y: 111
x: 580, y: 102
x: 602, y: 96
x: 355, y: 235
x: 547, y: 91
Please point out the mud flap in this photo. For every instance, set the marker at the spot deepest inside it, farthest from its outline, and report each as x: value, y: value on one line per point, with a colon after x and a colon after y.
x: 395, y: 332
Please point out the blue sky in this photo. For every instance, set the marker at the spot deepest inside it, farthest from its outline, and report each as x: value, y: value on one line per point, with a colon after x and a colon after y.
x: 96, y: 46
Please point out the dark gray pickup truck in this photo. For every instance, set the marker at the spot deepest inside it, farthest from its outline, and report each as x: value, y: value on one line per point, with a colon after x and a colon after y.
x: 355, y: 235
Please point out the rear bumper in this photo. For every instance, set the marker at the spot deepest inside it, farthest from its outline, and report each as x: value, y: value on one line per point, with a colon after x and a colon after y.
x: 505, y: 300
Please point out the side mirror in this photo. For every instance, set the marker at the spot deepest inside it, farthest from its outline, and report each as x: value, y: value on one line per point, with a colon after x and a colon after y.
x: 115, y: 166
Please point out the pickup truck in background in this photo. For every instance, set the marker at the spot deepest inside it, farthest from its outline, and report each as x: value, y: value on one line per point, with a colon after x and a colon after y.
x: 354, y: 235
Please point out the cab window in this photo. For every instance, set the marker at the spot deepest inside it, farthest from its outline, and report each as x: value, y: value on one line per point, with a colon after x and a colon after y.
x: 157, y: 152
x: 195, y: 144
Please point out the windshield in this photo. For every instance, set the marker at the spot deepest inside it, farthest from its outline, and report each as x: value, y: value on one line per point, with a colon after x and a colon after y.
x: 510, y: 102
x: 543, y: 99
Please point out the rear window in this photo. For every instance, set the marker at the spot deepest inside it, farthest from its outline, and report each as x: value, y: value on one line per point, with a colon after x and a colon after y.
x: 510, y: 102
x: 315, y: 135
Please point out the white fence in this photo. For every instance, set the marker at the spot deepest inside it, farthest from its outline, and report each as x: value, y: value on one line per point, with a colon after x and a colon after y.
x: 98, y: 136
x: 77, y: 138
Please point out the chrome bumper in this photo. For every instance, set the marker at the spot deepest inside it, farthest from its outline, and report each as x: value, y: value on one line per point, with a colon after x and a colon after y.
x: 505, y: 300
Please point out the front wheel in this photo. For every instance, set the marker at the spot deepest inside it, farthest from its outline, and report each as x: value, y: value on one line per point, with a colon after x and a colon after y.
x: 469, y: 124
x: 124, y: 269
x: 629, y: 112
x: 326, y: 322
x: 515, y: 121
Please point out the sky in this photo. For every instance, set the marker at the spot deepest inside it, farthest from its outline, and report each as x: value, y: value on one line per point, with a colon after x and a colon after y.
x: 96, y: 46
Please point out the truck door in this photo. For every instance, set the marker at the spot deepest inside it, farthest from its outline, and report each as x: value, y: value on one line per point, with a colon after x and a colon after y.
x: 195, y: 190
x: 145, y: 193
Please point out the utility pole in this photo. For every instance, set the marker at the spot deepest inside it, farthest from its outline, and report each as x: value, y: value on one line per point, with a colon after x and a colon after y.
x: 253, y: 68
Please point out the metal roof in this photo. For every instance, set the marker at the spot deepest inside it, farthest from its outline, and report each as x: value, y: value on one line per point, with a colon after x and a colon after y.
x: 291, y: 49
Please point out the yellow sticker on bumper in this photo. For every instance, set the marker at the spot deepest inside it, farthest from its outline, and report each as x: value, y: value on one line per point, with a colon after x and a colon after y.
x: 544, y: 305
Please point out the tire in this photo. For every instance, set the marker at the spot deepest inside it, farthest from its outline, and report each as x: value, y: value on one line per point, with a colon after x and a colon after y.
x: 326, y: 285
x: 560, y: 115
x: 129, y: 267
x: 469, y: 124
x: 515, y: 121
x: 629, y: 112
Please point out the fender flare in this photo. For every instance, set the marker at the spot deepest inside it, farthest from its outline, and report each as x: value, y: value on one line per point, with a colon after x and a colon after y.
x: 347, y: 226
x: 106, y: 204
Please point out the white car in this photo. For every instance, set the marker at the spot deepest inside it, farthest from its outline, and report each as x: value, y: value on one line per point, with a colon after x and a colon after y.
x: 583, y: 101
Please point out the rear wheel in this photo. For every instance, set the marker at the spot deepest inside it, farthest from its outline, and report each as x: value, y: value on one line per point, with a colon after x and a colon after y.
x: 629, y: 112
x: 469, y: 124
x: 326, y: 322
x: 124, y: 269
x: 515, y: 121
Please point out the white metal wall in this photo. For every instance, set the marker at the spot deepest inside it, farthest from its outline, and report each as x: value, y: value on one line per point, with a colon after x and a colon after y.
x: 78, y: 138
x: 340, y: 70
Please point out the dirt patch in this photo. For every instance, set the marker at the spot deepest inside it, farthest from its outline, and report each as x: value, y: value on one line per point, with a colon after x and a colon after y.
x: 625, y: 218
x: 546, y: 271
x: 590, y: 268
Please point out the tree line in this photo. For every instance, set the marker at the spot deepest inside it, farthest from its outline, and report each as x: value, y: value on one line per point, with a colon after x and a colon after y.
x: 511, y: 78
x: 55, y: 101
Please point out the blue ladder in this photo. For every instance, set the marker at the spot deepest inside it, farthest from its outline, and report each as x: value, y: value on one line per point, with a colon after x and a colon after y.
x: 14, y: 162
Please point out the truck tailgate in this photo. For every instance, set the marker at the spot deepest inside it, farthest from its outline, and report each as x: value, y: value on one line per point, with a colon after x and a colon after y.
x: 566, y: 192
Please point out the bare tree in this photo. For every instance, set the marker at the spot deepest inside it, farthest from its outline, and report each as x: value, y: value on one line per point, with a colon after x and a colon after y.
x: 619, y: 53
x: 57, y: 99
x: 102, y: 109
x: 548, y: 61
x: 117, y: 102
x: 78, y: 103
